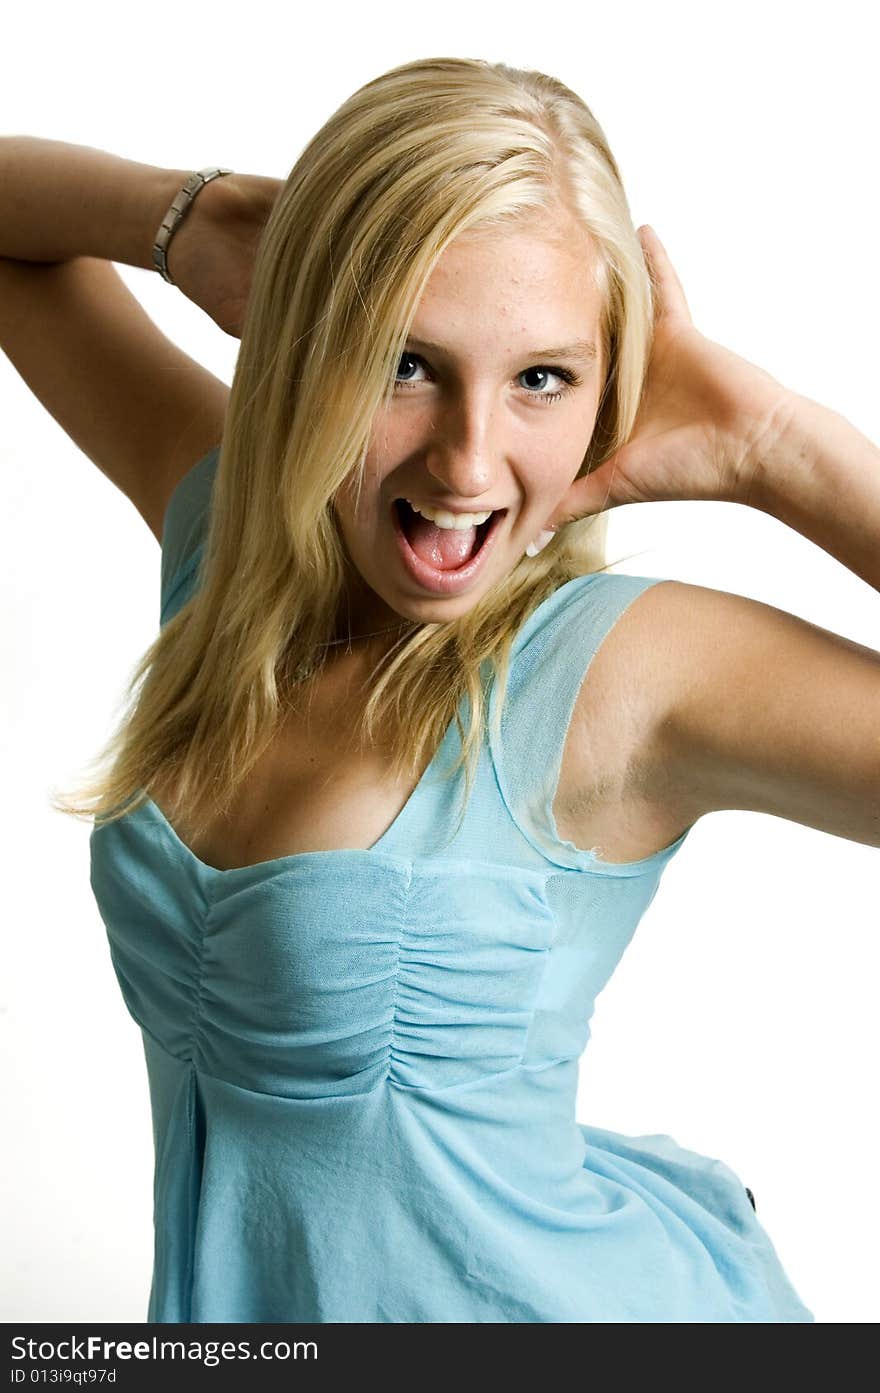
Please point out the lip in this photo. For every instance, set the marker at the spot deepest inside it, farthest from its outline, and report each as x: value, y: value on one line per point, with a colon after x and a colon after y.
x: 445, y: 582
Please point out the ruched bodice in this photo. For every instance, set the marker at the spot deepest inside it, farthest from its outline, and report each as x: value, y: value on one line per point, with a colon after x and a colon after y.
x: 363, y: 1063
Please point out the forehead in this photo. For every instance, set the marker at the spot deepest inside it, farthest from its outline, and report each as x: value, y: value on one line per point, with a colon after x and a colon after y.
x: 537, y: 276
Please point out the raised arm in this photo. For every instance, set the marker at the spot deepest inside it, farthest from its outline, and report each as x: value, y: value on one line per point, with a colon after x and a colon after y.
x: 139, y: 407
x: 60, y: 201
x: 750, y: 707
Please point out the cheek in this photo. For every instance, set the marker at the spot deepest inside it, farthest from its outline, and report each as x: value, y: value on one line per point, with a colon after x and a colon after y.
x: 552, y: 469
x: 356, y: 522
x: 572, y: 447
x: 380, y: 460
x: 356, y: 498
x: 393, y: 434
x: 349, y: 521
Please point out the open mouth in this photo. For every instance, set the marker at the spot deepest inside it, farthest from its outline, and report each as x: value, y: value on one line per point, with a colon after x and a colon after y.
x: 410, y: 520
x: 444, y: 561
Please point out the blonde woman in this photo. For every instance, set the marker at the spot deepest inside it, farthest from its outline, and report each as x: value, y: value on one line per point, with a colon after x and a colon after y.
x: 402, y: 770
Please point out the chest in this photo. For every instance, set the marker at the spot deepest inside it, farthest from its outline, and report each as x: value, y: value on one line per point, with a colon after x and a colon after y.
x: 316, y: 788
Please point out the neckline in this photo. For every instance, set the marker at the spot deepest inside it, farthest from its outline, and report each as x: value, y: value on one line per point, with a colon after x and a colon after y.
x: 377, y: 848
x: 292, y: 858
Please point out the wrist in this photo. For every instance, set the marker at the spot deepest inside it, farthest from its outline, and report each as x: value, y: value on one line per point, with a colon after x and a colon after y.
x: 195, y: 190
x: 769, y: 446
x: 141, y: 218
x: 820, y: 475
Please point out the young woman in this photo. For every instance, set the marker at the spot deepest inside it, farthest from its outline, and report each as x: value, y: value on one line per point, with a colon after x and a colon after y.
x: 404, y: 765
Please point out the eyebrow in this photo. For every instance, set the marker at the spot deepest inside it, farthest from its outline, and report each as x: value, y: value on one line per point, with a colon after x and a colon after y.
x: 582, y: 350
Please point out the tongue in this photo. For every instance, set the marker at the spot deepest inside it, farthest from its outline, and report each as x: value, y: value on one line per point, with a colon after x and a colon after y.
x: 445, y: 548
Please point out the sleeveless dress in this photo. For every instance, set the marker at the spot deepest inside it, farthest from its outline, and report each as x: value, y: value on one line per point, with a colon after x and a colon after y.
x: 363, y: 1063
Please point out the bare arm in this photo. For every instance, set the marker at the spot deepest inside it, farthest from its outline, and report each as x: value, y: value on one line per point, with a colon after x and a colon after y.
x: 763, y: 710
x: 821, y: 476
x: 143, y: 411
x: 60, y: 201
x: 751, y: 707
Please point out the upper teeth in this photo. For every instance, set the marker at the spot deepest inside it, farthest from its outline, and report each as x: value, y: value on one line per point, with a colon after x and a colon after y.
x: 444, y: 519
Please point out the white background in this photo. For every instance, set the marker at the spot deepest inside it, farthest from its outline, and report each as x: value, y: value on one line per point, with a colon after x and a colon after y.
x: 742, y: 1018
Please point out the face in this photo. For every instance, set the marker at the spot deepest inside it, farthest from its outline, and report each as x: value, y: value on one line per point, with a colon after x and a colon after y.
x: 483, y: 417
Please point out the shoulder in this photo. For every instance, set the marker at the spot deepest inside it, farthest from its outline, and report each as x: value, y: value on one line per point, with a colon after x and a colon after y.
x: 700, y: 700
x: 759, y: 709
x: 643, y: 664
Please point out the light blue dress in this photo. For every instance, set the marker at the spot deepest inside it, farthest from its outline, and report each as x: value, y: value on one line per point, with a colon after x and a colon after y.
x: 363, y: 1063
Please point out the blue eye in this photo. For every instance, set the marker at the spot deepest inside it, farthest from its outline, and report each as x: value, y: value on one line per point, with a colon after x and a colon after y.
x: 569, y: 378
x: 403, y: 357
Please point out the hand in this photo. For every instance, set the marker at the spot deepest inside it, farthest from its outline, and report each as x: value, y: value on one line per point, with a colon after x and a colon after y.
x: 211, y: 255
x: 704, y: 414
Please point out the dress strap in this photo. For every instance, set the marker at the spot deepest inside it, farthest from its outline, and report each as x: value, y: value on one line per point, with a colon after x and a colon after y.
x: 549, y: 660
x: 183, y: 534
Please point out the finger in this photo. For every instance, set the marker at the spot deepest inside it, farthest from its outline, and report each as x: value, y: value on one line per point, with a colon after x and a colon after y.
x: 593, y: 493
x: 669, y: 290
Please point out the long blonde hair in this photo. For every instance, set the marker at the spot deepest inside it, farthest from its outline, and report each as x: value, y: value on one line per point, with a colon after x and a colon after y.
x: 415, y: 157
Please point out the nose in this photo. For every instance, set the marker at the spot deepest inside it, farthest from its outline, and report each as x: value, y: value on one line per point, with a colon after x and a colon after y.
x: 463, y: 450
